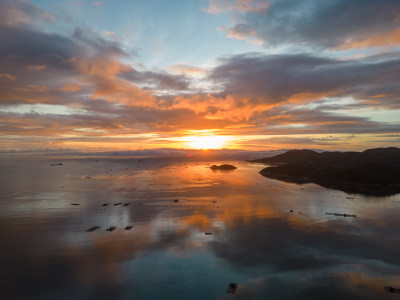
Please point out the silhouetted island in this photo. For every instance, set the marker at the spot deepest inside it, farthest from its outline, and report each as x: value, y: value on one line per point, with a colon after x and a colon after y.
x: 372, y: 172
x: 223, y: 167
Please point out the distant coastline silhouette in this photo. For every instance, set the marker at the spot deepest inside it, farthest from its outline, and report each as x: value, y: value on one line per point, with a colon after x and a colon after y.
x: 371, y: 172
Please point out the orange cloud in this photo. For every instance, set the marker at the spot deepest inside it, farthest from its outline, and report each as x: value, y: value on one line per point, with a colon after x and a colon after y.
x: 387, y: 39
x: 102, y: 75
x: 32, y: 88
x: 37, y: 67
x: 100, y: 66
x: 7, y: 76
x: 186, y: 69
x: 312, y: 96
x: 72, y: 87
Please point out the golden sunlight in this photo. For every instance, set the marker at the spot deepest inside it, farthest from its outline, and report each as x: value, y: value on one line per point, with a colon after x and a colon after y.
x: 206, y: 142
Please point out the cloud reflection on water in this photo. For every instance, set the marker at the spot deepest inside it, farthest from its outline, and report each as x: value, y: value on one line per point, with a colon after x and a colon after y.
x: 301, y: 254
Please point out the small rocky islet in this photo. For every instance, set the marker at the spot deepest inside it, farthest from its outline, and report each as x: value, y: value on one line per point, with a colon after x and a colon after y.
x: 225, y: 167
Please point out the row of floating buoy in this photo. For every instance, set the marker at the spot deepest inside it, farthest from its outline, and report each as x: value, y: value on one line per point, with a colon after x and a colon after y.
x: 111, y: 228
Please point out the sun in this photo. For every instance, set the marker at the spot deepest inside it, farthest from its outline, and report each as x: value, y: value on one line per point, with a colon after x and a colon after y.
x: 206, y: 142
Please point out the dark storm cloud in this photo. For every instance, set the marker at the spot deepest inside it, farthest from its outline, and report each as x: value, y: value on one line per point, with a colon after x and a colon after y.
x: 325, y: 23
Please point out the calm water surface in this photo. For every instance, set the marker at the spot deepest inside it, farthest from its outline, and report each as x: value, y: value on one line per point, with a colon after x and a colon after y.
x: 255, y: 241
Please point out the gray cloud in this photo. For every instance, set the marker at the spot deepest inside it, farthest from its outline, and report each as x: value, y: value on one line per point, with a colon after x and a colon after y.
x: 305, y: 78
x: 158, y: 80
x: 22, y: 13
x: 322, y: 24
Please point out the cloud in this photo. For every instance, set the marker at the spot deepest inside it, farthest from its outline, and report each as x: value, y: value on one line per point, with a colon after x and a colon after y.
x: 239, y: 31
x: 22, y: 13
x: 71, y: 87
x: 158, y: 80
x: 254, y: 79
x: 218, y: 6
x: 186, y: 69
x: 100, y: 93
x: 99, y: 3
x: 324, y: 24
x: 96, y: 42
x: 37, y: 67
x: 7, y: 76
x: 84, y: 57
x: 109, y: 34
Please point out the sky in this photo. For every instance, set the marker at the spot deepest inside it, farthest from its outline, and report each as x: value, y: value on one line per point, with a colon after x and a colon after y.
x: 237, y: 74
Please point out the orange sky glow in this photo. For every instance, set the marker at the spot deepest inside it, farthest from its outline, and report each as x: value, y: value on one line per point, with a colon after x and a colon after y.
x: 197, y: 78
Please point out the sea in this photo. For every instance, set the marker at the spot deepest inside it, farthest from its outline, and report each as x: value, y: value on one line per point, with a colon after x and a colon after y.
x: 65, y: 232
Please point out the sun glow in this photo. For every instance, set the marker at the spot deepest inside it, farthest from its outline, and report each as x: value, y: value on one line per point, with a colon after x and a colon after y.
x: 206, y: 142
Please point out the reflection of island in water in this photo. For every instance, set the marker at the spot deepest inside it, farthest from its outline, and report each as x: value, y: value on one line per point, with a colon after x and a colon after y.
x: 372, y: 172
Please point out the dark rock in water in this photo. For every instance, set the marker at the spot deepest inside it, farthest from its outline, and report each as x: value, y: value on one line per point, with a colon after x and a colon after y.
x: 340, y: 215
x: 232, y: 288
x: 176, y: 200
x: 208, y: 233
x: 116, y: 204
x: 93, y: 228
x: 126, y: 204
x: 111, y: 228
x: 223, y: 167
x: 128, y: 227
x: 59, y: 164
x: 392, y: 290
x: 105, y: 204
x: 75, y: 204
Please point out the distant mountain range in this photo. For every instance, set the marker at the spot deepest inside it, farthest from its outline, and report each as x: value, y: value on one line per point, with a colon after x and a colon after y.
x: 373, y: 171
